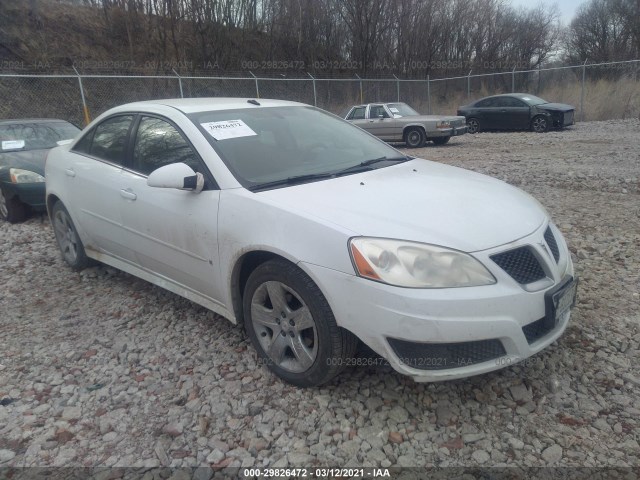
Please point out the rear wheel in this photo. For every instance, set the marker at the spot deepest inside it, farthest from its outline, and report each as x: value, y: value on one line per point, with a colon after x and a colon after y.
x: 12, y: 209
x: 441, y: 140
x: 539, y: 124
x: 414, y: 137
x: 292, y: 326
x: 473, y: 125
x: 68, y: 239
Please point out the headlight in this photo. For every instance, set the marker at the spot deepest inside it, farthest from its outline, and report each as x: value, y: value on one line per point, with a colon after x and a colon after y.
x: 24, y: 176
x: 444, y: 124
x: 416, y: 265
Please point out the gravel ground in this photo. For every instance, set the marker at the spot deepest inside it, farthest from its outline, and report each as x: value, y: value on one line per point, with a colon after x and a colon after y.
x: 99, y: 368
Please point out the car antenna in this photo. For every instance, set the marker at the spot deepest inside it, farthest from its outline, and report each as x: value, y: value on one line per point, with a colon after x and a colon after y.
x: 253, y: 102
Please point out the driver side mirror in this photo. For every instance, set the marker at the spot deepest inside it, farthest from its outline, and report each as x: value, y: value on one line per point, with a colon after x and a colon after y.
x: 176, y: 175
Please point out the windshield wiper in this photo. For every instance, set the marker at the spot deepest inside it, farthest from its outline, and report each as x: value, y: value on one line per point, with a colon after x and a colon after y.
x: 290, y: 180
x: 366, y: 165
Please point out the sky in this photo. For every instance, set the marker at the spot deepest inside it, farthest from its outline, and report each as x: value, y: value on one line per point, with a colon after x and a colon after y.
x: 566, y: 8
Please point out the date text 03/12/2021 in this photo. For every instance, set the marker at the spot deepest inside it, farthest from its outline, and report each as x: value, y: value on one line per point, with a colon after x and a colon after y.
x: 355, y: 473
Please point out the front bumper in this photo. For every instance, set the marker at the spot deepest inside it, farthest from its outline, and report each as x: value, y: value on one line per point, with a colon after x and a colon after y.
x: 384, y: 317
x: 32, y: 194
x: 448, y: 132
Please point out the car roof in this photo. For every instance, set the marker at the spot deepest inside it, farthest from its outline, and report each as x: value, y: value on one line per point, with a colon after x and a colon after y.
x: 10, y: 121
x: 207, y: 104
x: 517, y: 95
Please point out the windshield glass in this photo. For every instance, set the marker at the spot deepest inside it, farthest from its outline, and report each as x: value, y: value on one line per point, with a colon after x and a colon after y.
x: 35, y: 135
x: 265, y: 145
x: 533, y: 100
x: 402, y: 110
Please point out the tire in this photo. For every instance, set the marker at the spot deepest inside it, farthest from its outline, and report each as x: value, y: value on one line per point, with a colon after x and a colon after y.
x: 12, y: 210
x: 68, y: 239
x: 473, y: 125
x: 441, y: 140
x: 415, y: 137
x: 284, y: 313
x: 540, y: 124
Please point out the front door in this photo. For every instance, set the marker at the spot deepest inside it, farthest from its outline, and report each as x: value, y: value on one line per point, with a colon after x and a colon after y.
x: 173, y: 232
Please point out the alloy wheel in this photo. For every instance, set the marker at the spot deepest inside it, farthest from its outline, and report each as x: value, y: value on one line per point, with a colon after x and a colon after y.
x: 66, y: 235
x: 284, y: 327
x: 4, y: 209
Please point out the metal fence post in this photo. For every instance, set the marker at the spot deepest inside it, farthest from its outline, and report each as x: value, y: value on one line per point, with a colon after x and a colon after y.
x: 469, y: 84
x: 584, y: 73
x: 361, y: 94
x: 429, y: 95
x: 397, y: 86
x: 513, y: 80
x: 257, y: 88
x: 179, y: 82
x: 85, y: 109
x: 315, y: 93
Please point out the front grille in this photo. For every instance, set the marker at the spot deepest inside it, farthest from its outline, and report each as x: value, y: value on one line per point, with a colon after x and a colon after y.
x: 521, y: 264
x: 536, y: 330
x: 551, y: 242
x: 444, y: 356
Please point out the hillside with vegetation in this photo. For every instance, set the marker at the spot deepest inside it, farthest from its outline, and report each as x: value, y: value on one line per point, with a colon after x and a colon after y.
x: 414, y: 38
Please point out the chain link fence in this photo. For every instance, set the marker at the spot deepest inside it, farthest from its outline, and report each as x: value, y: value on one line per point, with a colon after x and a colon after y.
x: 599, y: 91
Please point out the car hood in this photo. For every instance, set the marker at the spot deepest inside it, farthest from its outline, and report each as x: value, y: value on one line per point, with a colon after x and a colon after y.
x: 420, y: 201
x: 556, y: 107
x: 430, y: 118
x: 32, y: 160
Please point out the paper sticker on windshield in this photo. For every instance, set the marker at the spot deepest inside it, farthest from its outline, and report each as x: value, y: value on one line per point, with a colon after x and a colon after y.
x: 526, y: 99
x: 12, y: 144
x: 228, y: 129
x: 394, y: 110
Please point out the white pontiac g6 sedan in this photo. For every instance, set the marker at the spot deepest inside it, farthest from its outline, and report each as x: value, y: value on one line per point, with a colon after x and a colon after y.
x: 314, y: 234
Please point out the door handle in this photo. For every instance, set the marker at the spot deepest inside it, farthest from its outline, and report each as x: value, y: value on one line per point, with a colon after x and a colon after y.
x: 128, y: 194
x: 70, y: 172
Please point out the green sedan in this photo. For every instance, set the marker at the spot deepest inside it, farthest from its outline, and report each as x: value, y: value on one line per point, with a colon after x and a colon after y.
x: 24, y: 145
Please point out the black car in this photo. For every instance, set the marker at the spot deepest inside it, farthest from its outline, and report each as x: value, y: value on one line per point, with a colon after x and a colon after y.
x: 24, y: 145
x: 516, y: 111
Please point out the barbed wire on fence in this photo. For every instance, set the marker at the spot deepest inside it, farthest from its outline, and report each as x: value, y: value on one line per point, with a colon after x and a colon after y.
x: 78, y: 96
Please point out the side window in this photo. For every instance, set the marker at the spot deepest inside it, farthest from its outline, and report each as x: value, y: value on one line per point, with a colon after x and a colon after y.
x: 513, y: 102
x: 358, y: 113
x: 110, y: 139
x: 84, y: 144
x: 377, y: 110
x: 487, y: 102
x: 158, y: 143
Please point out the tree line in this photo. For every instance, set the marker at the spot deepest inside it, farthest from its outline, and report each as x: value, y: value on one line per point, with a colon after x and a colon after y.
x: 413, y: 38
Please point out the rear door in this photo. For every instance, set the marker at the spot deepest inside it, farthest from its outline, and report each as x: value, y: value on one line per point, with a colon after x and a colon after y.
x: 93, y: 178
x: 173, y: 232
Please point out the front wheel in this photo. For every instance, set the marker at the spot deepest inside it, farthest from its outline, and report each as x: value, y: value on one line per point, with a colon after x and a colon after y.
x: 539, y: 124
x: 441, y: 140
x: 68, y: 239
x: 292, y: 326
x: 414, y: 138
x: 473, y: 125
x: 12, y: 210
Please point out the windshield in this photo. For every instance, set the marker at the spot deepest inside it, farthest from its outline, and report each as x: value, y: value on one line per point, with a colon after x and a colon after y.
x: 266, y: 145
x: 401, y: 110
x: 35, y: 135
x: 533, y: 100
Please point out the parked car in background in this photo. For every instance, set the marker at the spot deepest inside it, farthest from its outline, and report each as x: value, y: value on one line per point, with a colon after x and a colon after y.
x: 516, y: 111
x: 398, y: 122
x: 314, y: 234
x: 24, y: 145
